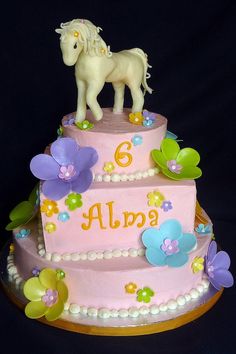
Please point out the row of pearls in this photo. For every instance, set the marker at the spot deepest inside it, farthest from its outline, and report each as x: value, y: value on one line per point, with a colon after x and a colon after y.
x: 13, y: 274
x: 122, y: 177
x: 133, y: 311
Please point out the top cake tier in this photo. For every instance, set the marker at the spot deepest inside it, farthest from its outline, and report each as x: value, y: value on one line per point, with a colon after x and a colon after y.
x: 122, y: 147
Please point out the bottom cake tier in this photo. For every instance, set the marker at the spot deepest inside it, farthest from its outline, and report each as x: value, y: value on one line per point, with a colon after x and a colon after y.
x: 124, y: 285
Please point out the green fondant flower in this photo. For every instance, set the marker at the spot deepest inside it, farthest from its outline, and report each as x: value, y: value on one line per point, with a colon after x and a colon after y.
x: 24, y: 211
x: 60, y: 131
x: 73, y: 201
x: 177, y: 163
x: 47, y: 295
x: 145, y: 294
x: 85, y: 125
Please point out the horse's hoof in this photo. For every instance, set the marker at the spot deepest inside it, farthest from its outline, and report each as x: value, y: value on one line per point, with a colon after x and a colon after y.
x: 117, y: 111
x: 79, y: 119
x: 99, y: 117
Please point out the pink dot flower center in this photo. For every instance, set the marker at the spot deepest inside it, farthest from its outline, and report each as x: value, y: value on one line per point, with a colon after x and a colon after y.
x: 50, y: 297
x: 170, y: 247
x: 67, y: 172
x: 174, y: 167
x: 210, y: 270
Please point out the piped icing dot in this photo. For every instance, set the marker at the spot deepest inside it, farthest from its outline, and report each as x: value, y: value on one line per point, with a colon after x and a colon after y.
x: 174, y: 167
x: 67, y: 172
x: 50, y: 297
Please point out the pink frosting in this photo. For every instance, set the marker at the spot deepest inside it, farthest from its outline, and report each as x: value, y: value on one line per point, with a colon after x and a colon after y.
x: 102, y: 283
x: 120, y: 197
x: 114, y: 129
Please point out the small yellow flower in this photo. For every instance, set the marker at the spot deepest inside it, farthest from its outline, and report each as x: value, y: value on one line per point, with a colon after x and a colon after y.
x: 198, y: 264
x: 49, y: 207
x: 130, y: 288
x: 12, y: 248
x: 108, y: 167
x: 50, y: 227
x: 155, y: 198
x: 136, y: 118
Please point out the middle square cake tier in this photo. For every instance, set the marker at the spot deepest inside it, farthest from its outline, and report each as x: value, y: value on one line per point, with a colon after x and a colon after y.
x: 112, y: 216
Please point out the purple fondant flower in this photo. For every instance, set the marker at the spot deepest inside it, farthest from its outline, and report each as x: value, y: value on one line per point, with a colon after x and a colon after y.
x: 69, y: 120
x: 36, y: 271
x: 170, y: 247
x: 67, y: 169
x: 50, y: 297
x: 174, y: 167
x: 149, y: 115
x: 216, y: 267
x: 166, y: 205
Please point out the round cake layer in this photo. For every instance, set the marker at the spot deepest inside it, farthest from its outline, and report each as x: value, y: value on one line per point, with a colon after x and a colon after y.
x: 114, y: 140
x: 115, y: 283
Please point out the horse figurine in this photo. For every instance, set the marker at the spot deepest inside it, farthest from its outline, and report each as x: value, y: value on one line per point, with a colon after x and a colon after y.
x: 95, y: 64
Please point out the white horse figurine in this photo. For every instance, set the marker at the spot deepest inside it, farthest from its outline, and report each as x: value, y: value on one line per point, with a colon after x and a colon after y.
x: 95, y: 64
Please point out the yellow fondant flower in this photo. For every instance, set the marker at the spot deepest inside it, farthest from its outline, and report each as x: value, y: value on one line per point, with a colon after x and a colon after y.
x: 50, y: 227
x: 136, y: 118
x: 155, y: 198
x: 108, y: 167
x: 130, y: 288
x: 198, y: 264
x: 47, y: 294
x: 49, y: 207
x: 11, y: 248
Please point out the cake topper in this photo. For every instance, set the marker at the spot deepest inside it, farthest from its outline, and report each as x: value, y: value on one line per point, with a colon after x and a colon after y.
x: 95, y: 64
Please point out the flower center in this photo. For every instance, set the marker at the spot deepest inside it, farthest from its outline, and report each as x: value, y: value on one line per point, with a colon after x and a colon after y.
x: 170, y: 247
x: 67, y: 172
x: 50, y: 297
x: 210, y: 270
x: 174, y: 167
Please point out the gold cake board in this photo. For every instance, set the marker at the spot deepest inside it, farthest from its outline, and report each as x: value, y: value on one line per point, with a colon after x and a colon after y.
x: 140, y: 326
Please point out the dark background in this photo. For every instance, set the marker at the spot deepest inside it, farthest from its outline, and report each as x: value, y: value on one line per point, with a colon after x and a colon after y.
x: 191, y: 45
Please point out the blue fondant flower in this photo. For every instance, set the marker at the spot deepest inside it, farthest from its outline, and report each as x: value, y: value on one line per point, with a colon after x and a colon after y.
x: 203, y: 229
x: 168, y: 245
x: 137, y: 140
x: 166, y: 205
x: 23, y: 233
x: 63, y: 216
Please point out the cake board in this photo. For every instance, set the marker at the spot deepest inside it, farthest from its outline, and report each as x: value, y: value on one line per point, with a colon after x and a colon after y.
x: 142, y: 325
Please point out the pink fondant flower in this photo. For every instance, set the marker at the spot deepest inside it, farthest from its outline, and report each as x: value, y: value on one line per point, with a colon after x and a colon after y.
x: 67, y: 172
x: 174, y: 167
x: 170, y: 246
x: 50, y: 298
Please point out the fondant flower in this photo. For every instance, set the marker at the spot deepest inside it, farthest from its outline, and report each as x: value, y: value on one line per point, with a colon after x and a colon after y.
x: 66, y: 169
x: 149, y: 115
x: 85, y: 125
x: 23, y: 233
x: 155, y: 198
x: 108, y: 167
x: 175, y: 163
x: 50, y: 227
x: 216, y: 267
x: 60, y: 131
x: 63, y: 216
x: 136, y: 118
x: 47, y: 295
x: 11, y: 248
x: 147, y: 123
x: 145, y: 294
x: 168, y: 245
x: 74, y: 201
x: 35, y: 271
x: 24, y: 211
x: 203, y: 229
x: 49, y: 207
x: 166, y: 205
x: 137, y: 140
x: 60, y: 274
x: 69, y: 120
x: 130, y: 288
x: 198, y: 264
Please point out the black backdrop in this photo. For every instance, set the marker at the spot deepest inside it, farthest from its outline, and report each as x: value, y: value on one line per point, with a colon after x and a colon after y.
x: 191, y: 45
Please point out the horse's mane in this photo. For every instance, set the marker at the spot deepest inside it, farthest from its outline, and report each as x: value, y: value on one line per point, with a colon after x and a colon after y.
x: 93, y: 44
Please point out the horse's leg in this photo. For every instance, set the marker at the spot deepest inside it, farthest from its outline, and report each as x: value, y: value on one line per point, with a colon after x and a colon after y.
x: 91, y: 98
x: 81, y: 101
x: 138, y: 99
x: 119, y: 88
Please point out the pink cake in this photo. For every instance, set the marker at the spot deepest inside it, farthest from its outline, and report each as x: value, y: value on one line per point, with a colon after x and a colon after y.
x: 114, y: 228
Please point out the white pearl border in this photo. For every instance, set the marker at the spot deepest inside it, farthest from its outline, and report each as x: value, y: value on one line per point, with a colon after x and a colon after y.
x: 84, y: 256
x: 104, y: 313
x: 123, y: 177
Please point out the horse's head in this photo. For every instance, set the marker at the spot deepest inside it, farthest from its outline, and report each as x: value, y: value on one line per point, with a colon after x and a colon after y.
x: 71, y: 46
x: 78, y: 35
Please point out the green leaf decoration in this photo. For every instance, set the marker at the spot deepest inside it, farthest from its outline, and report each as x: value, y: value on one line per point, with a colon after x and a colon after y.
x: 16, y: 223
x: 22, y: 210
x: 170, y: 149
x: 34, y: 195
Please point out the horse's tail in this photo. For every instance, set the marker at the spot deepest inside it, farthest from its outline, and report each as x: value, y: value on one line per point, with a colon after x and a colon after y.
x: 146, y: 75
